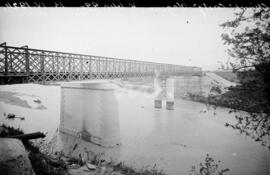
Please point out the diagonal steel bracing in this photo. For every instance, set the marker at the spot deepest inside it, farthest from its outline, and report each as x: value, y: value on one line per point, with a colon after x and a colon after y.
x: 41, y: 66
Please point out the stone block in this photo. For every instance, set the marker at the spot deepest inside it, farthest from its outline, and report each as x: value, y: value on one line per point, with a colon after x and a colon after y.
x: 14, y: 158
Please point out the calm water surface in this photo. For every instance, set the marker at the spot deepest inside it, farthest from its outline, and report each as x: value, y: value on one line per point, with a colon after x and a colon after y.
x: 177, y: 139
x: 174, y: 140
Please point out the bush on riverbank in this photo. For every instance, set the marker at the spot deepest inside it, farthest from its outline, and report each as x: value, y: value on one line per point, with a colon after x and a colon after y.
x: 254, y: 122
x: 209, y: 167
x: 248, y: 52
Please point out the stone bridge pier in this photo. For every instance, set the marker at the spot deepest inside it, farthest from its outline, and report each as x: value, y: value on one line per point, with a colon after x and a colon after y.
x: 165, y: 86
x: 90, y: 111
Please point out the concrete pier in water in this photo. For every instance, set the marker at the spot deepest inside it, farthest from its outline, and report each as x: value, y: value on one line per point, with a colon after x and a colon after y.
x: 165, y: 86
x: 90, y: 111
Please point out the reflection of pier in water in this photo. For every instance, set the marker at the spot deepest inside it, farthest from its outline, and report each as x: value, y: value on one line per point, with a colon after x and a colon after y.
x: 76, y: 147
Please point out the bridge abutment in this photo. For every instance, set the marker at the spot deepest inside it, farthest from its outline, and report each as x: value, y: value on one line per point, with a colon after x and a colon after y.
x: 189, y: 85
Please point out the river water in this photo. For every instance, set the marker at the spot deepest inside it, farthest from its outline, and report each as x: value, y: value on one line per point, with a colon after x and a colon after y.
x: 173, y: 140
x: 177, y: 139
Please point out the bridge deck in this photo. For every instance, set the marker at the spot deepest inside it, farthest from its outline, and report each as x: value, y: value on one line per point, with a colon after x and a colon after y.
x: 33, y: 65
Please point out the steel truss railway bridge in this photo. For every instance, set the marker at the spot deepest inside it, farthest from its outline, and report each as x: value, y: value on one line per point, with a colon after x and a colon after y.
x: 23, y: 64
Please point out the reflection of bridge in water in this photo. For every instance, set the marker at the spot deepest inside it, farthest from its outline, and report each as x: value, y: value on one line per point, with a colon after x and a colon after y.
x: 22, y: 64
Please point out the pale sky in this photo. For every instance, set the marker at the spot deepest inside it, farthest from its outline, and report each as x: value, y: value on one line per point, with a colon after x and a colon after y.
x: 184, y: 36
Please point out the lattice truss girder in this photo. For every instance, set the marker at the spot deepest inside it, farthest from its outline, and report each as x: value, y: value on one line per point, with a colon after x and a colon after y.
x: 42, y: 65
x: 2, y: 59
x: 16, y: 60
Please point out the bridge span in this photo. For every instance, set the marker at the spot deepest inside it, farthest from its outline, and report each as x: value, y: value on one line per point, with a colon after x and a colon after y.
x: 27, y: 65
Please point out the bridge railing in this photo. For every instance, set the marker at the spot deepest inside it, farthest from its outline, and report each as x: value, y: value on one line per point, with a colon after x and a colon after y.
x: 43, y: 65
